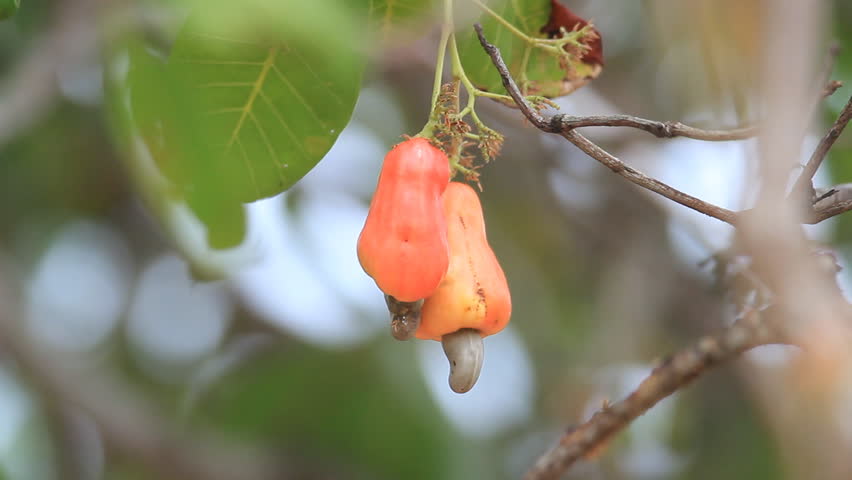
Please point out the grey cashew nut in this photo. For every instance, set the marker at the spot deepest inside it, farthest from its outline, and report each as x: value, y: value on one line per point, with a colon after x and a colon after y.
x: 464, y: 350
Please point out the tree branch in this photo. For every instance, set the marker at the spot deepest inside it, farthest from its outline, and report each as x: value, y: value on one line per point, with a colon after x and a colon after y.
x: 830, y: 202
x: 674, y: 373
x: 806, y: 177
x: 635, y: 176
x: 566, y: 123
x: 684, y: 367
x: 831, y: 87
x: 555, y: 125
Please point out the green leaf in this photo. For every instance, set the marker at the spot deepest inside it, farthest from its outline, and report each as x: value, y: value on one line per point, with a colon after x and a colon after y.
x: 387, y: 15
x: 8, y: 8
x: 270, y: 85
x: 252, y: 97
x: 537, y: 72
x: 162, y: 113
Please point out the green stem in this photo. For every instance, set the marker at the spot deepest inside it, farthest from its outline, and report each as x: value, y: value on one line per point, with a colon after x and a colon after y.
x: 502, y: 21
x: 553, y: 46
x: 446, y: 32
x: 470, y: 88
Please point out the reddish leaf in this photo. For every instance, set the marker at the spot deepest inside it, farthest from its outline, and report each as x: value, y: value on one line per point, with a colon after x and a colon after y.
x: 561, y: 16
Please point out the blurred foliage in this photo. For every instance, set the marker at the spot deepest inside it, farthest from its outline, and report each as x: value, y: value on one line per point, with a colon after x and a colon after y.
x: 840, y: 157
x: 8, y: 8
x: 320, y: 414
x: 389, y: 17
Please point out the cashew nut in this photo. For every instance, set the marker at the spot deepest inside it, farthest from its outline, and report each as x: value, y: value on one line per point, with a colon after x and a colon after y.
x: 465, y: 351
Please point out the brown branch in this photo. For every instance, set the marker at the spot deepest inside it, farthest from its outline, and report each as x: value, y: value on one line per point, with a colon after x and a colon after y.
x: 810, y: 169
x: 681, y: 369
x: 635, y: 176
x: 830, y: 202
x: 659, y: 129
x: 830, y: 211
x: 554, y: 125
x: 831, y: 87
x: 674, y: 373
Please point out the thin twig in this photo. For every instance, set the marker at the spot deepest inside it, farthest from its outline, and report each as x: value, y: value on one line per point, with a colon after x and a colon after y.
x: 656, y: 128
x: 831, y: 87
x: 830, y: 202
x: 804, y: 184
x: 810, y: 169
x: 829, y: 211
x: 554, y: 125
x: 672, y: 374
x: 613, y: 163
x: 511, y: 87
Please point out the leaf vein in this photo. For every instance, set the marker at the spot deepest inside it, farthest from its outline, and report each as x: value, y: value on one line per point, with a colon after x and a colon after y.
x: 219, y: 111
x: 249, y: 167
x: 226, y: 39
x: 258, y: 85
x: 225, y: 84
x: 271, y: 150
x: 296, y: 94
x: 199, y: 61
x: 284, y: 124
x: 319, y: 80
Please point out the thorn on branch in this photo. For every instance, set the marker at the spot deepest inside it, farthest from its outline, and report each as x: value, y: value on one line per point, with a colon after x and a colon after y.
x: 825, y: 195
x: 804, y: 184
x: 831, y: 87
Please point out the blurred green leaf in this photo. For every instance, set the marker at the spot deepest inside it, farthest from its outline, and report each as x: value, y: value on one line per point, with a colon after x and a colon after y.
x: 340, y: 410
x: 8, y: 8
x: 271, y: 85
x: 162, y: 112
x: 251, y: 98
x: 386, y: 14
x: 543, y: 73
x: 740, y: 447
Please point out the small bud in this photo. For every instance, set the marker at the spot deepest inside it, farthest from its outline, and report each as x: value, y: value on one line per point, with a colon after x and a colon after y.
x: 465, y: 352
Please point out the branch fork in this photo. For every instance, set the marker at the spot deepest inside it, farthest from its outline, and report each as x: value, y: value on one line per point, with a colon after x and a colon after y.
x: 755, y: 327
x: 567, y: 125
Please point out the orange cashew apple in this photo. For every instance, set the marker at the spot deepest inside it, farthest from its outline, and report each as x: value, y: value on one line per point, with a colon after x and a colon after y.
x: 403, y: 245
x: 473, y: 300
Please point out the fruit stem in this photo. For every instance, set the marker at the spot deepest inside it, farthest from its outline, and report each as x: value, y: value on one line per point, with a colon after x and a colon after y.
x: 472, y: 91
x: 502, y: 21
x: 447, y: 26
